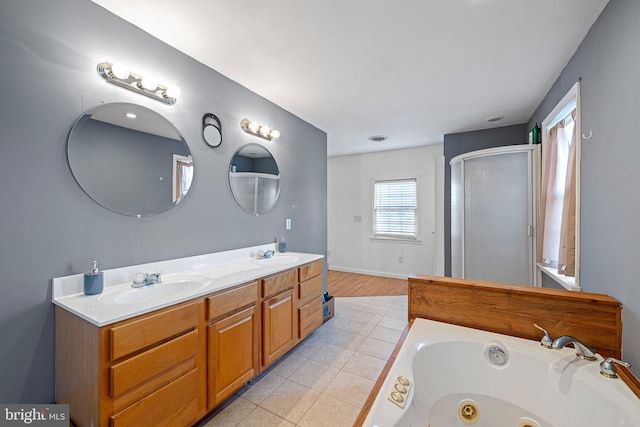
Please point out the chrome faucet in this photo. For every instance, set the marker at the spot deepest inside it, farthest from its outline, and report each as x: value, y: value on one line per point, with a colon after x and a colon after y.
x: 142, y: 279
x: 265, y: 254
x: 546, y: 340
x: 608, y: 367
x: 582, y: 351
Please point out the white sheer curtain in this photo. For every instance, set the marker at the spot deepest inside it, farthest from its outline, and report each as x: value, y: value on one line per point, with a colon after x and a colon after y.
x: 556, y: 242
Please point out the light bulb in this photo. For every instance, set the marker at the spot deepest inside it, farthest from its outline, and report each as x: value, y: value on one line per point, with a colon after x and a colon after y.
x: 275, y: 134
x: 120, y: 71
x: 253, y: 126
x: 148, y: 83
x: 264, y: 130
x: 173, y: 92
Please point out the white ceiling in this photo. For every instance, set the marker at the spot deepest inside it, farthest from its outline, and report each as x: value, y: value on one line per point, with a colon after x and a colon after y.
x: 413, y: 70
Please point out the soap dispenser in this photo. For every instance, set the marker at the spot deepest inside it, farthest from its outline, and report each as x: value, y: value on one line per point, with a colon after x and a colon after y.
x: 282, y: 246
x: 93, y: 281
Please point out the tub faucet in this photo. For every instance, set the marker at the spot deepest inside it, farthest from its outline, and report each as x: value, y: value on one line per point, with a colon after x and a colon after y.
x: 142, y: 279
x: 546, y: 341
x: 608, y: 367
x: 582, y: 351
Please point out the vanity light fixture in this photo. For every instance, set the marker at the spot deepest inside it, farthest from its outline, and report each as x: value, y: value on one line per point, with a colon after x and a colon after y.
x: 255, y: 128
x: 119, y: 75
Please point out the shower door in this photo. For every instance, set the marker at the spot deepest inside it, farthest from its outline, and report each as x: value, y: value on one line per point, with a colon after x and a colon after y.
x: 492, y: 212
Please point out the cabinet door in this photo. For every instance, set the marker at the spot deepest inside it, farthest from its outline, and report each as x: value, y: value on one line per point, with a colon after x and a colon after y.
x: 233, y: 353
x: 279, y: 330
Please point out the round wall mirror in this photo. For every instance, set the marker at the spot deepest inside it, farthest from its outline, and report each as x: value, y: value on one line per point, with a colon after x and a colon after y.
x: 254, y: 178
x: 130, y: 159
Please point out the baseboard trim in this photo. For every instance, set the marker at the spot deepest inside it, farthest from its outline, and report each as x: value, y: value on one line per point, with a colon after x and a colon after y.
x: 369, y: 272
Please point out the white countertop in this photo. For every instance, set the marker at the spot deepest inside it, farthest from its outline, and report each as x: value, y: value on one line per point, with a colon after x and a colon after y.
x: 182, y: 280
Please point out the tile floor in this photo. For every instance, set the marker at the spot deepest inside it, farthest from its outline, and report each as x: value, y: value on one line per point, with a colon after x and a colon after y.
x: 327, y: 378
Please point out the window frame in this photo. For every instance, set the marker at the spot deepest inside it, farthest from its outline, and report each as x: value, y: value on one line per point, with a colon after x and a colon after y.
x: 395, y: 237
x: 558, y: 113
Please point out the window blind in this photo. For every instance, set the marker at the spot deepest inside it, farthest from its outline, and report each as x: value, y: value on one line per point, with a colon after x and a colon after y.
x: 395, y: 209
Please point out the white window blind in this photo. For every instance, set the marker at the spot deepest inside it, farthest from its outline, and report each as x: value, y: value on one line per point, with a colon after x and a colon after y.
x: 395, y: 209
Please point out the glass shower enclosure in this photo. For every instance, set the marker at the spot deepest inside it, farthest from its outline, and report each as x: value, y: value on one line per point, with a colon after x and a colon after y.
x: 493, y: 214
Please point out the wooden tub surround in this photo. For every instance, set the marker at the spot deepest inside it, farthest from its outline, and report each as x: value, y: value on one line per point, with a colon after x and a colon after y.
x: 595, y: 319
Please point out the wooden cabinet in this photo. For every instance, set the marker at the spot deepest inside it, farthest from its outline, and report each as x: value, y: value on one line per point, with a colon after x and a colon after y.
x: 233, y: 345
x: 142, y: 371
x: 278, y: 327
x: 172, y: 366
x: 309, y: 298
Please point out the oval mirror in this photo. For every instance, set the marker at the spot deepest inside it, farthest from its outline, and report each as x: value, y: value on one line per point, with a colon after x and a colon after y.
x: 254, y: 178
x: 130, y: 159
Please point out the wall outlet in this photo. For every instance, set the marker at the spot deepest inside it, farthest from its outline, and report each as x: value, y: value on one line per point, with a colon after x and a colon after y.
x: 287, y: 224
x: 400, y: 260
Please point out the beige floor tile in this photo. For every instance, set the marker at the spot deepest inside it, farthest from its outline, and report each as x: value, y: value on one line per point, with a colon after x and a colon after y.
x: 332, y: 355
x: 397, y: 313
x: 331, y: 324
x: 346, y: 313
x: 323, y: 333
x: 309, y: 347
x: 359, y: 300
x: 328, y: 412
x: 376, y: 348
x: 385, y: 301
x: 375, y: 309
x: 337, y: 323
x: 349, y: 388
x: 393, y: 323
x: 288, y: 365
x: 232, y: 414
x: 342, y: 303
x: 290, y: 401
x: 358, y: 328
x: 365, y: 366
x: 314, y: 375
x: 370, y: 318
x: 385, y: 334
x: 401, y: 302
x: 262, y: 418
x: 262, y: 387
x: 346, y: 340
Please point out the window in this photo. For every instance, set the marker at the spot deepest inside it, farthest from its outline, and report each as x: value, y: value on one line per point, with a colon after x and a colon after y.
x: 557, y: 246
x: 395, y: 209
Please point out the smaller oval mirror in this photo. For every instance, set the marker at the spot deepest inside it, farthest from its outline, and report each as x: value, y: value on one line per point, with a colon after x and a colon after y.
x: 254, y: 178
x: 130, y: 159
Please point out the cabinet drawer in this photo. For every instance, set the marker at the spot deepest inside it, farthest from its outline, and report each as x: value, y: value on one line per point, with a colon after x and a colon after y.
x: 309, y: 317
x: 138, y: 334
x: 310, y: 289
x: 280, y: 282
x: 143, y: 367
x: 175, y: 404
x: 310, y: 270
x: 229, y: 301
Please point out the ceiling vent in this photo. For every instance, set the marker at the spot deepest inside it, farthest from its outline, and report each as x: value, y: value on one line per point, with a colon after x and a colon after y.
x: 378, y: 138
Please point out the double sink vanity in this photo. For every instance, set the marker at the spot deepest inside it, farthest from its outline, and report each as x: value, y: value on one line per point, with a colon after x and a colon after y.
x: 169, y: 353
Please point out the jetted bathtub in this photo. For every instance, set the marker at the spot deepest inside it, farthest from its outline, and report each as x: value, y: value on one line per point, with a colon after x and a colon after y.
x: 451, y: 376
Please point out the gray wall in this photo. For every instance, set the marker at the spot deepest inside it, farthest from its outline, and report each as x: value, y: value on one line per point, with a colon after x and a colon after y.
x: 49, y: 227
x: 608, y: 61
x: 465, y: 142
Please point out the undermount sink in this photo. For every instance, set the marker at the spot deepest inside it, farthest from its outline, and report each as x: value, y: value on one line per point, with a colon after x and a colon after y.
x: 164, y: 289
x: 279, y: 260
